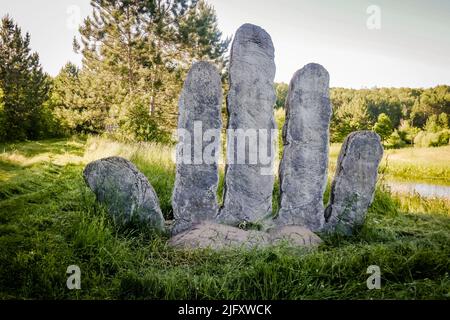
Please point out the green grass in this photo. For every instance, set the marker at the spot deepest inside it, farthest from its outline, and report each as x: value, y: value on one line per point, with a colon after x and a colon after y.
x: 49, y: 220
x: 418, y: 164
x: 430, y: 165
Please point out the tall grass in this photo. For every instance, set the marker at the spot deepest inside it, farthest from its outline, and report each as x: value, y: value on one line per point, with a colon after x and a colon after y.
x: 49, y: 220
x: 156, y: 161
x: 425, y: 164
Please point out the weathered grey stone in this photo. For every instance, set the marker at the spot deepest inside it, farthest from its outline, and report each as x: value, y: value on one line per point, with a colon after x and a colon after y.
x: 354, y: 183
x: 125, y: 191
x: 218, y: 236
x: 303, y: 168
x: 248, y: 176
x: 294, y: 236
x: 194, y: 196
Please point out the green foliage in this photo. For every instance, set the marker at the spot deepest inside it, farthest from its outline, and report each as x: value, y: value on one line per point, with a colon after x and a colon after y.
x: 139, y: 125
x: 198, y: 33
x: 443, y: 120
x: 383, y: 126
x: 432, y: 124
x: 352, y: 116
x: 433, y: 101
x: 48, y: 125
x: 392, y: 113
x: 281, y: 90
x: 2, y: 118
x: 24, y: 85
x: 78, y: 108
x: 432, y: 139
x: 280, y: 118
x: 436, y: 123
x: 50, y: 220
x: 436, y: 132
x: 403, y: 105
x: 135, y: 56
x: 407, y: 132
x: 395, y: 141
x: 409, y: 110
x: 444, y: 138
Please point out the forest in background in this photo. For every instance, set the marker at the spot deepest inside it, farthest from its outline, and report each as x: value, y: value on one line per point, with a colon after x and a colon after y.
x: 135, y: 57
x: 401, y: 116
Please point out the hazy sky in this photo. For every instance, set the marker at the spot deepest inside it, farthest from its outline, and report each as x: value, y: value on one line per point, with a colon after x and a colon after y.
x: 408, y: 46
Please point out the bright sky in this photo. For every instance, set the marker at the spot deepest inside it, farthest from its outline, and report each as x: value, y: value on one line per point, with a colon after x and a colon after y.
x: 362, y: 43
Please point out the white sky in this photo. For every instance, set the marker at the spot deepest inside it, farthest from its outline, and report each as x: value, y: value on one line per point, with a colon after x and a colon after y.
x: 411, y: 48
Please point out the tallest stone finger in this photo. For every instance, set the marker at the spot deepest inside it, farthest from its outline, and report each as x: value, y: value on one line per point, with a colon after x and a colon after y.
x: 249, y: 175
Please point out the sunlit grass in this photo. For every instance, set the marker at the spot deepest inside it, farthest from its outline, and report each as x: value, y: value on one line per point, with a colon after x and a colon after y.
x: 418, y: 204
x: 25, y: 154
x: 49, y: 220
x: 415, y: 164
x: 427, y: 164
x: 418, y: 164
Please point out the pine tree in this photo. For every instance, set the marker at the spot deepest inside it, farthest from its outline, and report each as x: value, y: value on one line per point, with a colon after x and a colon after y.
x: 140, y: 52
x: 350, y: 116
x: 74, y: 108
x: 443, y: 120
x: 2, y: 118
x: 383, y: 126
x: 281, y: 90
x: 24, y: 84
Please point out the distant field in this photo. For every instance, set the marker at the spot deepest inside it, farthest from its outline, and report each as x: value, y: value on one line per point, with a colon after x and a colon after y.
x: 416, y: 164
x: 413, y: 164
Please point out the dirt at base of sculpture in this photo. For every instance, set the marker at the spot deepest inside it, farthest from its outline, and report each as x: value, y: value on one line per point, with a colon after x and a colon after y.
x: 218, y: 237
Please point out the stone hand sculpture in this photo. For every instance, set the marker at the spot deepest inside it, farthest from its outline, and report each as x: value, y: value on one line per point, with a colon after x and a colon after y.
x: 303, y: 169
x: 249, y: 177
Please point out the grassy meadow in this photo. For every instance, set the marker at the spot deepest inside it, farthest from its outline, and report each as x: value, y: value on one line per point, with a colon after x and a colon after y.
x: 412, y: 164
x: 417, y: 164
x: 49, y: 220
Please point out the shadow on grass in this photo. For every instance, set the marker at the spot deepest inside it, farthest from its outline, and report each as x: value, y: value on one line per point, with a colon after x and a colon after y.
x: 29, y: 149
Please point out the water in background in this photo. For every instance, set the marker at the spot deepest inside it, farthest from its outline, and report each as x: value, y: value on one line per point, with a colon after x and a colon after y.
x: 423, y: 189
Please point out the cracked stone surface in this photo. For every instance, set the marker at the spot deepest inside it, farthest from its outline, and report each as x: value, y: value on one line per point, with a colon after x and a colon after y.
x: 353, y: 187
x: 249, y: 184
x: 304, y: 165
x: 296, y: 236
x: 218, y: 236
x: 125, y: 191
x: 194, y: 196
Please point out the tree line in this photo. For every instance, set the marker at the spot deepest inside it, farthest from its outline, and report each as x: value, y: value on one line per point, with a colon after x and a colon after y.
x: 135, y: 57
x: 401, y: 116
